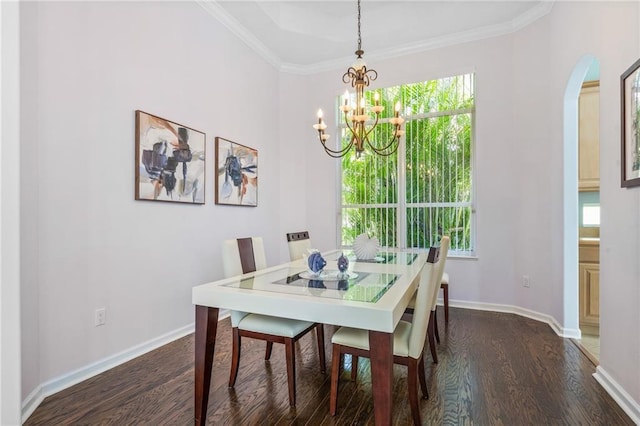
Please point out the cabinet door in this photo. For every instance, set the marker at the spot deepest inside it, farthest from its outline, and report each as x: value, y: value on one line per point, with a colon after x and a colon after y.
x: 589, y: 279
x: 588, y: 138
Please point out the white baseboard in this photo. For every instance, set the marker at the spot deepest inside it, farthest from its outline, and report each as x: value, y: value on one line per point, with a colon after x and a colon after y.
x: 619, y: 395
x: 510, y: 309
x: 57, y: 384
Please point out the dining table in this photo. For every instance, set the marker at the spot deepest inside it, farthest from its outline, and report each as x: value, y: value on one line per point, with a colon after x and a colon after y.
x: 371, y: 294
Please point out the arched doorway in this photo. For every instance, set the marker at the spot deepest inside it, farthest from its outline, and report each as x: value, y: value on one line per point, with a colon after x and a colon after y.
x: 570, y: 195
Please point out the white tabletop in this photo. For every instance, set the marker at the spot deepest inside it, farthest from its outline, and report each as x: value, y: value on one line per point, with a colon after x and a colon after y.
x: 260, y: 292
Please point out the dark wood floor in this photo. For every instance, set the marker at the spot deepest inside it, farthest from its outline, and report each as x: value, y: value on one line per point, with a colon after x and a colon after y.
x: 495, y: 369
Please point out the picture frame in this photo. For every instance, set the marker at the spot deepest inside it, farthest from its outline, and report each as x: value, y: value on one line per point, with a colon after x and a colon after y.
x: 236, y: 174
x: 630, y: 126
x: 170, y: 161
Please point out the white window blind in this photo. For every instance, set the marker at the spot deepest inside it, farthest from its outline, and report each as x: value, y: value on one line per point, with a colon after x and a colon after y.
x: 425, y: 190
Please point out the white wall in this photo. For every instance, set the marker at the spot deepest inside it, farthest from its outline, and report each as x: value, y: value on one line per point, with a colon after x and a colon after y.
x: 495, y: 185
x: 87, y: 243
x: 607, y: 31
x: 521, y: 80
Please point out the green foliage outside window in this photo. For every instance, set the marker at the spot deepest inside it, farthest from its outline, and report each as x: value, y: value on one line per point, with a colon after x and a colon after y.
x: 437, y: 164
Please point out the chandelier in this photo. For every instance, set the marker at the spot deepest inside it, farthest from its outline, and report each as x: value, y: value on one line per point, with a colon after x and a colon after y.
x: 357, y: 117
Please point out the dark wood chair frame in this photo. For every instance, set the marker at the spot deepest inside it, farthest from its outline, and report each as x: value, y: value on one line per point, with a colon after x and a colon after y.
x: 295, y: 236
x: 416, y: 371
x: 445, y: 290
x: 245, y: 248
x: 290, y: 354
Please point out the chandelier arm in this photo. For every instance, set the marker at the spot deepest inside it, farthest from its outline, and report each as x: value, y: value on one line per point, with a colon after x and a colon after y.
x: 338, y: 153
x: 335, y: 155
x: 394, y: 140
x: 383, y: 151
x: 350, y: 76
x: 367, y: 132
x: 346, y: 121
x: 368, y: 78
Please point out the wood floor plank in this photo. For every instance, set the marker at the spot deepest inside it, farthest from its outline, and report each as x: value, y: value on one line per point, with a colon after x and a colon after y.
x: 494, y: 369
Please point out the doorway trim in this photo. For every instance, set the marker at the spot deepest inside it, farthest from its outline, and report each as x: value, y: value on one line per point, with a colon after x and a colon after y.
x: 10, y: 349
x: 570, y: 321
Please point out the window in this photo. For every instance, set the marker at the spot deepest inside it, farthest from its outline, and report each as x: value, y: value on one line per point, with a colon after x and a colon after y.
x: 425, y: 190
x: 591, y: 215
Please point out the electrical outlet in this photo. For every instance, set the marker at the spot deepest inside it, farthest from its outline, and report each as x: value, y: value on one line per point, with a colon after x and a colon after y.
x: 100, y: 317
x: 526, y: 281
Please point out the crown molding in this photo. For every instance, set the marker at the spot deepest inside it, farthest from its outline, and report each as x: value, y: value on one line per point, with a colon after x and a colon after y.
x: 532, y: 15
x: 221, y: 15
x: 241, y: 32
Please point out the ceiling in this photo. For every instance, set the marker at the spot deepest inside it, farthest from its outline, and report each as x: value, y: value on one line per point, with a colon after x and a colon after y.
x: 305, y: 36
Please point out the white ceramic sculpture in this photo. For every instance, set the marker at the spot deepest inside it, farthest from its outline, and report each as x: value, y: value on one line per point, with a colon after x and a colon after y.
x: 365, y: 248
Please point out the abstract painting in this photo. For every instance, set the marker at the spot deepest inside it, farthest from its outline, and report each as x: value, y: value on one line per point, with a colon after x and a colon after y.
x: 630, y: 110
x: 236, y: 174
x: 170, y: 161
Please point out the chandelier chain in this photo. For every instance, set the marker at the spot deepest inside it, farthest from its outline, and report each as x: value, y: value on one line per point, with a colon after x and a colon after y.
x: 359, y: 36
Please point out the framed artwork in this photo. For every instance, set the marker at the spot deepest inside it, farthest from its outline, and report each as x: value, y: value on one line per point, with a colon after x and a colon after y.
x: 236, y: 174
x: 630, y: 124
x: 170, y: 161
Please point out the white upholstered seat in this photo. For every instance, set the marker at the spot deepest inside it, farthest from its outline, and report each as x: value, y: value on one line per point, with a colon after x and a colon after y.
x: 273, y: 325
x: 359, y: 338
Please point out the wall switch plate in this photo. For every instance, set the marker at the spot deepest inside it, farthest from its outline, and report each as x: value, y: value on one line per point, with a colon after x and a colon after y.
x: 100, y: 317
x: 526, y: 281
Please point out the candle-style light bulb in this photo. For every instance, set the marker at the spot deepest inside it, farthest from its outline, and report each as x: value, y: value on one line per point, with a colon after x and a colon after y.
x: 346, y: 97
x: 362, y: 103
x: 397, y: 108
x: 376, y: 97
x: 320, y: 126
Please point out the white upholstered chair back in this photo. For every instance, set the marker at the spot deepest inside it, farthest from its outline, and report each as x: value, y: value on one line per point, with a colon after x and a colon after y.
x: 439, y: 270
x: 299, y: 243
x: 233, y: 263
x: 427, y: 290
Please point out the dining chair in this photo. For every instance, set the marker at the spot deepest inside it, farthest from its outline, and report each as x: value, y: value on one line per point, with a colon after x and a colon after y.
x: 244, y: 255
x: 444, y: 285
x: 432, y: 328
x: 408, y: 342
x: 298, y: 243
x: 433, y: 333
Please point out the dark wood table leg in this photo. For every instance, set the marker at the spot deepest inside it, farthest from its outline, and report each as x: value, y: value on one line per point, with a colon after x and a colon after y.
x: 205, y: 337
x: 381, y: 350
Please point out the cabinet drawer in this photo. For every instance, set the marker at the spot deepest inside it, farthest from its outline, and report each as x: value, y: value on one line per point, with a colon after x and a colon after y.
x: 589, y: 254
